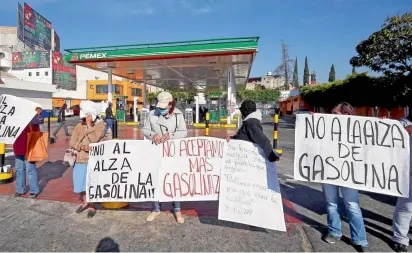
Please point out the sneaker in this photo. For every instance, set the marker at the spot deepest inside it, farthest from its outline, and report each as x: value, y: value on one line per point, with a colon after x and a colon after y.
x: 179, y: 217
x: 398, y: 247
x: 33, y: 195
x: 360, y: 248
x: 331, y: 239
x: 152, y: 216
x: 16, y: 195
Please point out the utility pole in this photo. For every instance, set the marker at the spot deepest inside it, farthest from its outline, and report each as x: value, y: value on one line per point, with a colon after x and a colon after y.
x: 284, y: 68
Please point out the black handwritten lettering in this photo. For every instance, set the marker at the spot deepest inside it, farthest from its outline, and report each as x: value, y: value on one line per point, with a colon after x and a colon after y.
x: 368, y: 132
x: 336, y: 122
x: 400, y: 138
x: 323, y: 125
x: 340, y: 146
x: 310, y: 125
x: 333, y: 166
x: 307, y: 168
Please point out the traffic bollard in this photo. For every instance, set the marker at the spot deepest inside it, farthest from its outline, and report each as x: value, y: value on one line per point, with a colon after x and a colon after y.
x: 275, y: 134
x: 207, y: 124
x: 6, y: 174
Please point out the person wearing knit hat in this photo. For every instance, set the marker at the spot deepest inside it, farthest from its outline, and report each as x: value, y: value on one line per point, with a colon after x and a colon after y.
x: 252, y: 131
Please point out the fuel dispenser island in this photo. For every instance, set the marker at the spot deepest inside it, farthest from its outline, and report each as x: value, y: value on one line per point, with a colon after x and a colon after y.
x: 216, y: 104
x: 121, y: 107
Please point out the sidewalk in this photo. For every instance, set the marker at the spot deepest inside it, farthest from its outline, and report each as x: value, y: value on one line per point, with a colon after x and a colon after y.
x: 56, y: 182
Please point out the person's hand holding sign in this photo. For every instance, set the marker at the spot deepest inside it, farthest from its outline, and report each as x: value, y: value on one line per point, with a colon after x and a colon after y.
x: 157, y: 139
x: 409, y: 130
x: 165, y: 137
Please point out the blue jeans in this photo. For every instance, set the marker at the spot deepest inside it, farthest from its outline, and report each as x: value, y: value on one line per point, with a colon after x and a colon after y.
x: 402, y: 218
x: 109, y: 124
x: 353, y: 211
x: 156, y: 206
x: 23, y: 167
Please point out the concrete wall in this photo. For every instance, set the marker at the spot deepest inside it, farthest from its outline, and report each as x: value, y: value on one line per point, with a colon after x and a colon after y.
x: 43, y: 98
x: 40, y: 75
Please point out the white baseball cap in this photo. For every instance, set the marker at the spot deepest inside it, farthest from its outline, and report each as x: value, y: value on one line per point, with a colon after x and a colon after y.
x: 163, y: 99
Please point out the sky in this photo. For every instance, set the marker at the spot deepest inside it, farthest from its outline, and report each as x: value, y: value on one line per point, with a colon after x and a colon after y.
x: 326, y: 31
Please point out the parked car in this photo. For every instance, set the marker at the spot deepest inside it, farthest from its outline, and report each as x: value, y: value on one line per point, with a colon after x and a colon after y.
x: 300, y: 111
x: 76, y: 110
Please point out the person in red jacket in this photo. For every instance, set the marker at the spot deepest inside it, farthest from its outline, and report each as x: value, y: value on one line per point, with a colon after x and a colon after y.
x: 22, y: 165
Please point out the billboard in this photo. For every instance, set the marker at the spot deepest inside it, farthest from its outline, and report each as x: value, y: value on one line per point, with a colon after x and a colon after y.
x: 64, y: 73
x: 37, y: 29
x: 31, y: 60
x: 20, y: 22
x: 56, y: 42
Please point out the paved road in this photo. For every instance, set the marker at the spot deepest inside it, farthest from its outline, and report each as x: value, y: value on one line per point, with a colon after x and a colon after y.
x: 35, y: 225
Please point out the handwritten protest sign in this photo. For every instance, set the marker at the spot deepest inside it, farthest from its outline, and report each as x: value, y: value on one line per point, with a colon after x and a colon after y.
x: 190, y: 169
x: 122, y: 170
x: 15, y: 114
x: 362, y: 153
x: 250, y: 192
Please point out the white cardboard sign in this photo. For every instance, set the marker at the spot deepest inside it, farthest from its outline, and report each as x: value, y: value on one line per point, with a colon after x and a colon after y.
x: 122, y: 171
x: 250, y: 192
x: 190, y: 169
x: 363, y: 153
x: 15, y: 114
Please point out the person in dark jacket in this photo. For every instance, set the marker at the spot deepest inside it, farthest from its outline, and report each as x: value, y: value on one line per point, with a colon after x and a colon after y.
x: 62, y: 121
x: 252, y: 131
x: 109, y: 119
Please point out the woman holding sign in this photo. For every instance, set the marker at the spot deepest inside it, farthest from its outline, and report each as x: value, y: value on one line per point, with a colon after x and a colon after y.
x: 351, y: 201
x: 85, y: 133
x: 164, y: 123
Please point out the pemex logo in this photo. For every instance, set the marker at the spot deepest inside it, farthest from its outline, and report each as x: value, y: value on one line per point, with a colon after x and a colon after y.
x: 74, y: 57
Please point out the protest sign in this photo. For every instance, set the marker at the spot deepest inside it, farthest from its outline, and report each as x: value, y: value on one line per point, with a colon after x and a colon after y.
x: 15, y: 114
x: 122, y: 171
x: 250, y: 192
x: 190, y: 169
x: 362, y: 153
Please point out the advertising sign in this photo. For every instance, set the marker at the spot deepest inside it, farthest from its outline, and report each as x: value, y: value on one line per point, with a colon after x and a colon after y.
x: 64, y: 73
x: 37, y: 29
x: 31, y: 60
x: 56, y: 42
x: 20, y: 22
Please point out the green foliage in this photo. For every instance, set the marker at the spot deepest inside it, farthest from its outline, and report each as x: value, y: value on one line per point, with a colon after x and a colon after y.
x: 296, y: 75
x: 360, y: 90
x: 332, y: 74
x: 388, y: 50
x: 306, y: 72
x: 263, y: 95
x: 151, y: 97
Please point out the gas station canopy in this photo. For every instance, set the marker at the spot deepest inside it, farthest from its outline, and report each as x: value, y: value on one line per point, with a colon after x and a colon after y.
x: 183, y: 65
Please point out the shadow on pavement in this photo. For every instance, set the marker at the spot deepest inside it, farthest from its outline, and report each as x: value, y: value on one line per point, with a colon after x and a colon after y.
x: 107, y: 244
x: 314, y: 200
x: 49, y: 171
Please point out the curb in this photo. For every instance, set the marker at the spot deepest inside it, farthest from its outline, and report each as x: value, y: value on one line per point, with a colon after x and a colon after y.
x: 203, y: 125
x: 129, y: 123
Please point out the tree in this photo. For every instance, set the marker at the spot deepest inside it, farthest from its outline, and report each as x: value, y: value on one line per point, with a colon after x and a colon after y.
x: 152, y: 96
x: 295, y: 74
x: 353, y: 70
x: 306, y: 72
x: 388, y: 50
x: 332, y: 74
